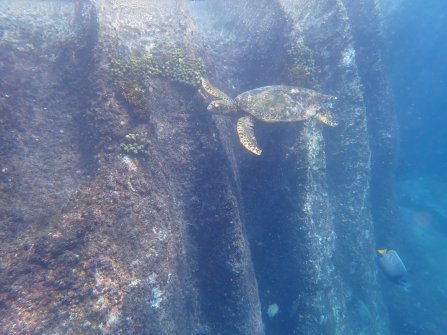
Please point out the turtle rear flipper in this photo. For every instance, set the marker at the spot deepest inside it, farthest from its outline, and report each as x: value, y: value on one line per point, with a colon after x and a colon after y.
x: 245, y: 130
x: 326, y: 117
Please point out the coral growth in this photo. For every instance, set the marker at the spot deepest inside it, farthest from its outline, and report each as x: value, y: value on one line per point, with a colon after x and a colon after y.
x: 134, y: 144
x: 132, y: 75
x: 173, y: 64
x: 177, y: 66
x: 136, y: 69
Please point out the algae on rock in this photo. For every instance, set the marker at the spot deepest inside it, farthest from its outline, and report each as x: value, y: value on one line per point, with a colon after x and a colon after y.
x: 173, y: 64
x: 132, y: 75
x: 301, y: 69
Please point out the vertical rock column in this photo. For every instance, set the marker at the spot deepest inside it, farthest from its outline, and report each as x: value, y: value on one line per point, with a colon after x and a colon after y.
x: 150, y: 240
x: 338, y: 291
x: 306, y: 198
x: 367, y: 26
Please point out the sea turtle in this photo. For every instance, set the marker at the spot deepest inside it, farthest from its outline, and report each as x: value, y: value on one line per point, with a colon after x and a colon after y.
x: 278, y: 103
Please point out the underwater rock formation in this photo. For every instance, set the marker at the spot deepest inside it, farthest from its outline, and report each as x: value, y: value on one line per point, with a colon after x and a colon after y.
x: 191, y: 234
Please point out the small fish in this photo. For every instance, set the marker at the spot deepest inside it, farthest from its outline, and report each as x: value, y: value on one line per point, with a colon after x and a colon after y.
x: 393, y: 267
x: 272, y: 310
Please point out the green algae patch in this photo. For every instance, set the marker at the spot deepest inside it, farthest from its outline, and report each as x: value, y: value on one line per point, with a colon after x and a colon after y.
x: 132, y: 75
x: 134, y: 144
x: 179, y: 67
x: 173, y: 64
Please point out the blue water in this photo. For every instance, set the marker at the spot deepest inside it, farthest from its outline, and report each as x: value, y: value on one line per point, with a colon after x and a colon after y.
x: 418, y: 70
x: 417, y: 42
x: 416, y: 60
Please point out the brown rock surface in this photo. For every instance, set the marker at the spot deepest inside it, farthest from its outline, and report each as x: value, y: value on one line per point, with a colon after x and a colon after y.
x: 191, y: 234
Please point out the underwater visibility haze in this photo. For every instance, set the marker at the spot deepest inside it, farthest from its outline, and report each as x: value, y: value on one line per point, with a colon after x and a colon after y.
x: 269, y: 167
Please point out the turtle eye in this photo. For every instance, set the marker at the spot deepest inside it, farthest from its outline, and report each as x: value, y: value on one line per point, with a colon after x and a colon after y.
x: 216, y: 106
x: 213, y: 106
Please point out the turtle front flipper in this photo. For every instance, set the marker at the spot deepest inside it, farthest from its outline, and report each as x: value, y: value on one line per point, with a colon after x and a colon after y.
x: 245, y: 130
x: 208, y: 89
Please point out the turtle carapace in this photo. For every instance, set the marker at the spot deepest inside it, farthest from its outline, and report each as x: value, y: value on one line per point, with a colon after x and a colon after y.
x: 279, y: 103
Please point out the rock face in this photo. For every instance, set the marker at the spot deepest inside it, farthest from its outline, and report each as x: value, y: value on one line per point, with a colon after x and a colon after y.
x: 126, y: 208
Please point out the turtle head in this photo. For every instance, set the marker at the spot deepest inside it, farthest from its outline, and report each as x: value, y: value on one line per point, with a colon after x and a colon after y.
x: 223, y: 107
